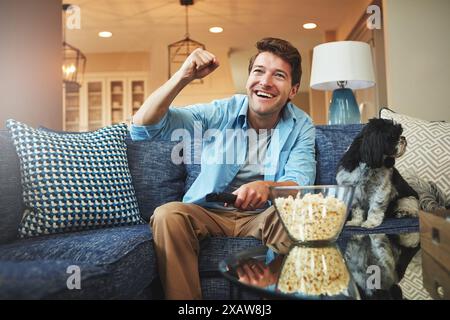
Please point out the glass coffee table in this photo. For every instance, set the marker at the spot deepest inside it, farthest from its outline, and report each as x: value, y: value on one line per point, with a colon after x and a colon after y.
x: 358, y: 267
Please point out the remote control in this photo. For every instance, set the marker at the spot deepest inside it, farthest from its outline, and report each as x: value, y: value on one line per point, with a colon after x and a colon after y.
x: 221, y: 197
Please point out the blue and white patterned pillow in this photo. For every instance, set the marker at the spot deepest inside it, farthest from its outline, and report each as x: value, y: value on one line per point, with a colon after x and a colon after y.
x: 74, y: 182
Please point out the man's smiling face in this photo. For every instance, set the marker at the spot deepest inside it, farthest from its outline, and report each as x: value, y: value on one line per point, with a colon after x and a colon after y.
x: 269, y: 85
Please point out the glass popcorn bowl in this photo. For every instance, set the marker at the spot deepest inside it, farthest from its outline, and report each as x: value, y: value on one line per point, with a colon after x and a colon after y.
x: 313, y: 214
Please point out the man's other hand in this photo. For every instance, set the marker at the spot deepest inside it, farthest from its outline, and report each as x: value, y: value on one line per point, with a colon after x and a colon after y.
x: 198, y: 65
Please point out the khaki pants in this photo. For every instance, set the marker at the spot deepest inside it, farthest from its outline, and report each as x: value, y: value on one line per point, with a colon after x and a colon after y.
x: 178, y: 227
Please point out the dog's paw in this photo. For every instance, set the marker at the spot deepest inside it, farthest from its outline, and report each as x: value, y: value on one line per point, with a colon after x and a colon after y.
x: 407, y: 207
x: 371, y: 223
x: 357, y: 217
x: 374, y: 218
x: 354, y: 223
x: 404, y: 214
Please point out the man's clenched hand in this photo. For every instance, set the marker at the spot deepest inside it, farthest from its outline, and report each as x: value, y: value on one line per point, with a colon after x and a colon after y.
x: 198, y: 65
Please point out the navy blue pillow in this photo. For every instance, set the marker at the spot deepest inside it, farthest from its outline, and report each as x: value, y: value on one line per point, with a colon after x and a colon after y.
x: 74, y: 182
x: 156, y: 179
x: 331, y: 143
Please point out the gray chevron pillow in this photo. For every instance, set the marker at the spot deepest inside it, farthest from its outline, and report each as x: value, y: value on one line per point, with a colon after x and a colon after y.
x: 74, y: 182
x: 428, y: 150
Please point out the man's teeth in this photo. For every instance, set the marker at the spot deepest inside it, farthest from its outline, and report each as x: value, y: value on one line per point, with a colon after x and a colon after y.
x: 263, y: 94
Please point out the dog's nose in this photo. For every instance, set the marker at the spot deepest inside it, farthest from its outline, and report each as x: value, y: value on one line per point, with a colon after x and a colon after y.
x: 403, y: 139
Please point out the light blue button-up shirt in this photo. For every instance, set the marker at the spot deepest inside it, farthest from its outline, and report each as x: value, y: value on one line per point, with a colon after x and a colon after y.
x: 220, y: 129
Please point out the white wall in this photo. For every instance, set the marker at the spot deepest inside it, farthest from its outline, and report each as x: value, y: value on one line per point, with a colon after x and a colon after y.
x: 418, y: 57
x: 30, y: 62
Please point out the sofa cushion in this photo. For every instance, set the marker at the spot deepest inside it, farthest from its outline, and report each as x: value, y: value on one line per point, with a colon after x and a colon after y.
x: 125, y: 253
x: 99, y: 247
x: 193, y: 170
x: 11, y: 205
x: 215, y: 249
x: 39, y: 279
x: 428, y: 150
x: 156, y: 178
x: 331, y: 143
x: 74, y: 182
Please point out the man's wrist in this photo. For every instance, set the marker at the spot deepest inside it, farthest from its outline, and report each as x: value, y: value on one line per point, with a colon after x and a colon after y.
x: 180, y: 80
x: 280, y: 184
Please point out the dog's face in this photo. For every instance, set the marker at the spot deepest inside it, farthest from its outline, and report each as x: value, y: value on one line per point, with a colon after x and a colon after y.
x: 381, y: 142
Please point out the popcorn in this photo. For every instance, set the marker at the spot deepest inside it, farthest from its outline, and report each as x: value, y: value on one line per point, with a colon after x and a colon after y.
x: 312, y: 217
x: 314, y: 271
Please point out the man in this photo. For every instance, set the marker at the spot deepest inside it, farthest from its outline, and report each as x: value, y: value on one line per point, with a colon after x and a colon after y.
x: 286, y: 158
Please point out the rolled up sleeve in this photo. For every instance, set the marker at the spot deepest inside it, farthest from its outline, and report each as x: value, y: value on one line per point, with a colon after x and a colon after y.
x: 147, y: 132
x: 203, y: 116
x: 175, y: 118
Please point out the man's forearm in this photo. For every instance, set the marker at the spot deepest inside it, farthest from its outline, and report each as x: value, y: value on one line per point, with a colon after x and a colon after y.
x: 156, y: 105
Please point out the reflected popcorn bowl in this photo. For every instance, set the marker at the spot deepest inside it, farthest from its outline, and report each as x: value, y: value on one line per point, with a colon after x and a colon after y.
x: 318, y: 272
x: 312, y: 214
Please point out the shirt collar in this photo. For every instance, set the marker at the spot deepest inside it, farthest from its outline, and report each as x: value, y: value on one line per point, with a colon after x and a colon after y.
x: 288, y: 112
x: 242, y: 116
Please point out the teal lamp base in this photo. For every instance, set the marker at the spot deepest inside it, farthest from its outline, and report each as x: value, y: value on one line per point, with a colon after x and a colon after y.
x: 343, y: 108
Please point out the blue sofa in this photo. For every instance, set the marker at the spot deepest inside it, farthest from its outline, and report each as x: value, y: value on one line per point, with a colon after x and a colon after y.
x: 120, y: 263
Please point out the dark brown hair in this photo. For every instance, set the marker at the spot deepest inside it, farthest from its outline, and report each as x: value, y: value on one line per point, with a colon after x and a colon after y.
x: 285, y: 51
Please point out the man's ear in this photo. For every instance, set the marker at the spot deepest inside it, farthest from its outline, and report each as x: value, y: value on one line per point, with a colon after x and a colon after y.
x: 294, y: 91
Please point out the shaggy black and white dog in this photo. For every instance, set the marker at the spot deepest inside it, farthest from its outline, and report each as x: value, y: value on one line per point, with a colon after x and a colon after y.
x: 368, y: 165
x: 378, y: 261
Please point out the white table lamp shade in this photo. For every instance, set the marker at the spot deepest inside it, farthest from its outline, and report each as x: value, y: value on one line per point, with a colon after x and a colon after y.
x: 349, y: 61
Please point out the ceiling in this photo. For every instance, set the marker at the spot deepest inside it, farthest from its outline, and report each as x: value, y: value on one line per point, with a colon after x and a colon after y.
x: 136, y: 24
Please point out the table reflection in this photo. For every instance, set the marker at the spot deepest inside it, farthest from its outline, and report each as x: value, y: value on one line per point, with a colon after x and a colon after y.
x: 368, y: 267
x: 301, y: 272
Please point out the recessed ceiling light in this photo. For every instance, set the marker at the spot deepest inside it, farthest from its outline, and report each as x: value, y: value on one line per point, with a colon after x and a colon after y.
x: 216, y: 29
x: 310, y: 25
x: 105, y: 34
